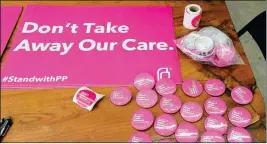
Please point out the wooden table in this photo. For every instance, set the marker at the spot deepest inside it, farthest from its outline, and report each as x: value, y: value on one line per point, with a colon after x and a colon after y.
x: 51, y: 116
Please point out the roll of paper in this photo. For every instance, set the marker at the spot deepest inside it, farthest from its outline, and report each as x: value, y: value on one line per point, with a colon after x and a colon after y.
x: 192, y: 16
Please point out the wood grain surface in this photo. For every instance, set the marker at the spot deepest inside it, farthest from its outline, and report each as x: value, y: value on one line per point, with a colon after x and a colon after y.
x: 49, y: 115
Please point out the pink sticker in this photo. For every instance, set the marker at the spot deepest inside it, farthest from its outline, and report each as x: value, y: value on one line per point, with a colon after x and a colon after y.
x: 146, y: 98
x: 142, y: 119
x: 216, y: 123
x: 237, y: 135
x: 170, y: 103
x: 165, y: 125
x: 239, y: 117
x: 186, y: 132
x: 140, y: 137
x: 215, y: 106
x: 214, y: 87
x: 144, y: 81
x: 165, y: 141
x: 120, y: 96
x: 192, y: 88
x: 212, y: 136
x: 165, y: 86
x: 241, y: 95
x: 191, y: 111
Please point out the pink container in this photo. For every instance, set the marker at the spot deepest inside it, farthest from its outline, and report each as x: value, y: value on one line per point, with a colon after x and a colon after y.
x: 120, y: 96
x: 214, y: 87
x: 146, y: 98
x: 241, y: 95
x: 239, y: 117
x: 165, y: 87
x: 215, y: 106
x: 140, y: 137
x: 238, y: 135
x: 142, y: 119
x: 192, y: 88
x: 144, y: 81
x: 186, y: 133
x: 191, y: 111
x: 212, y: 137
x: 165, y: 125
x: 216, y: 123
x: 170, y: 103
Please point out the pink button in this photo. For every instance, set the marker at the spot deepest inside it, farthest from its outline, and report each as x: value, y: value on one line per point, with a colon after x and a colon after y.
x: 165, y: 125
x: 120, y: 96
x: 215, y: 106
x: 144, y: 81
x: 239, y: 117
x: 192, y: 88
x: 191, y: 111
x: 241, y: 95
x: 216, y: 123
x: 214, y: 87
x: 212, y: 136
x: 165, y: 141
x: 170, y: 103
x: 142, y: 119
x: 186, y: 132
x: 146, y: 98
x: 140, y: 137
x: 237, y: 134
x: 165, y: 87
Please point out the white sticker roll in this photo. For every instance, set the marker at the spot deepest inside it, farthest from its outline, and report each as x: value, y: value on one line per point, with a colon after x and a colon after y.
x: 192, y: 16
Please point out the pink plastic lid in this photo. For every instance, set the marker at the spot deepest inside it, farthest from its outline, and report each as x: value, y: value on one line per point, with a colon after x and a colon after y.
x: 192, y: 88
x: 212, y: 136
x: 239, y: 117
x: 142, y: 119
x: 214, y: 87
x: 165, y: 125
x: 144, y: 81
x: 237, y: 134
x: 186, y: 132
x: 225, y: 54
x: 191, y: 111
x: 216, y: 123
x: 215, y: 106
x: 140, y: 137
x: 120, y: 96
x: 165, y: 87
x: 241, y: 95
x: 146, y: 98
x: 170, y: 103
x: 165, y: 141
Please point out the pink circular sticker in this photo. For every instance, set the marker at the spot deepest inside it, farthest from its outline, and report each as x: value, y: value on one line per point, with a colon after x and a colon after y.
x: 192, y: 88
x: 142, y: 119
x: 215, y: 106
x: 120, y: 96
x: 241, y: 95
x: 191, y: 111
x: 140, y: 137
x: 239, y: 117
x: 214, y: 87
x: 170, y: 103
x: 237, y: 135
x: 216, y: 123
x: 165, y: 87
x: 212, y: 136
x: 146, y: 98
x: 186, y: 132
x: 165, y: 141
x: 85, y: 98
x: 165, y: 125
x: 144, y: 81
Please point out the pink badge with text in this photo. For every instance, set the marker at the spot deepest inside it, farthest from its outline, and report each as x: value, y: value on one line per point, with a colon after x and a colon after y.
x: 186, y: 132
x: 165, y: 125
x: 216, y: 123
x: 170, y: 103
x: 191, y: 111
x: 142, y: 119
x: 215, y: 106
x: 146, y: 98
x: 238, y: 135
x: 214, y: 87
x: 192, y: 88
x: 140, y: 137
x: 212, y: 137
x: 165, y: 86
x: 239, y: 117
x: 144, y: 81
x: 120, y: 96
x: 241, y: 95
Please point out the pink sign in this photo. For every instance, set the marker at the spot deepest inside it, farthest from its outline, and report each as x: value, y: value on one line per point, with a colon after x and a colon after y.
x: 9, y: 17
x: 67, y: 46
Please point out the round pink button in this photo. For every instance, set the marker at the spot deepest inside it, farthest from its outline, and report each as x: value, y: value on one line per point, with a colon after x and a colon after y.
x: 165, y: 125
x: 212, y: 136
x: 241, y: 95
x: 144, y: 81
x: 239, y: 117
x: 215, y: 106
x: 140, y: 137
x: 216, y: 123
x: 192, y: 88
x: 142, y: 119
x: 237, y: 134
x: 165, y: 141
x: 170, y: 103
x: 165, y: 87
x: 120, y: 96
x: 214, y: 87
x: 186, y: 132
x: 191, y: 111
x: 146, y: 98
